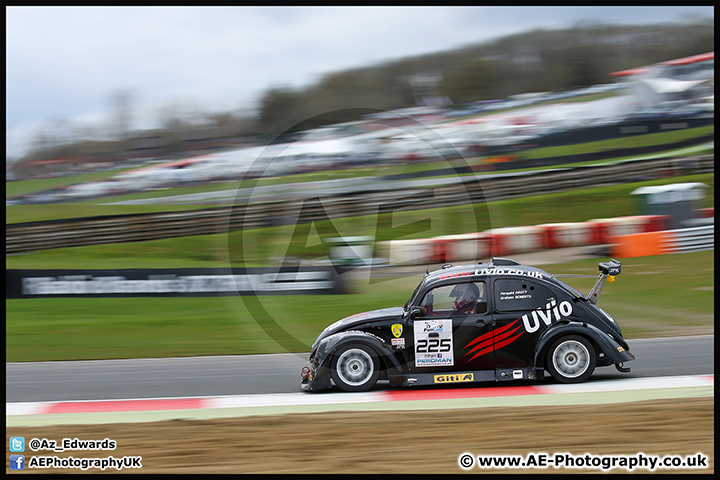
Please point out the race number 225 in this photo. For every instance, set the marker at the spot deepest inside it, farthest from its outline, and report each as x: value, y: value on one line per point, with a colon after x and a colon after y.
x: 432, y: 345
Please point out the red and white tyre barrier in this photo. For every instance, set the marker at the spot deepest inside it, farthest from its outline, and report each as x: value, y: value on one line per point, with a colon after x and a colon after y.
x: 500, y: 242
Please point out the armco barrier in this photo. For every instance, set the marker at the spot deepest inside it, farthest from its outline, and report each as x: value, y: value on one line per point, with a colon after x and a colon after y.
x: 656, y: 243
x: 690, y: 239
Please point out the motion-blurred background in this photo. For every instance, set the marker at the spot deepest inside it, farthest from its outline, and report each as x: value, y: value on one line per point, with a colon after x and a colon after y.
x: 353, y: 137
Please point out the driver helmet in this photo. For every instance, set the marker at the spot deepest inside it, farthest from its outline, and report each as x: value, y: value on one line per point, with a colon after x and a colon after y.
x: 466, y: 296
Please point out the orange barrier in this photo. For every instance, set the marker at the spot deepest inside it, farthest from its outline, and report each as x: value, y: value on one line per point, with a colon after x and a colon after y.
x: 638, y: 244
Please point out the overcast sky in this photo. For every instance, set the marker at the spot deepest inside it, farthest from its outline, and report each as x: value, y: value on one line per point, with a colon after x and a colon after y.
x: 65, y: 63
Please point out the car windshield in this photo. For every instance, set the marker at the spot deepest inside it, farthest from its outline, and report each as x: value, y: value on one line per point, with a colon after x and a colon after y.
x: 570, y: 289
x: 414, y: 294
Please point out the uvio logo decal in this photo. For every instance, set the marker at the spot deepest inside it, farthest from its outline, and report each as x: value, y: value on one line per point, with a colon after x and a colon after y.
x: 552, y: 313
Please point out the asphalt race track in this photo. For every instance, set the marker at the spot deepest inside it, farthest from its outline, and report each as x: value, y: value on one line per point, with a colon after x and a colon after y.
x: 267, y: 374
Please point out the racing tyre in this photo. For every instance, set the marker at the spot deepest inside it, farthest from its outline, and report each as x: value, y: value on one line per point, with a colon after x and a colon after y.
x: 355, y: 368
x: 571, y: 359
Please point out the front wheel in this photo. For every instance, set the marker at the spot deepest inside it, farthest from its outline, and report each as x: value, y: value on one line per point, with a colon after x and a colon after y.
x: 355, y: 368
x: 571, y: 359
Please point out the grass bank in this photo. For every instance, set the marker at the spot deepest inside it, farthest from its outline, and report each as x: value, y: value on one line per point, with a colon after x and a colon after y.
x: 654, y: 296
x: 261, y: 246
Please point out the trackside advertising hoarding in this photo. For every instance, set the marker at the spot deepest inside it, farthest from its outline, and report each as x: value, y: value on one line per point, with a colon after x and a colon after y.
x: 180, y: 282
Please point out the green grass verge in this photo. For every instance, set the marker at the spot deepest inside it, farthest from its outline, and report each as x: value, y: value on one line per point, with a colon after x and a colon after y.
x: 629, y: 141
x: 25, y: 187
x: 578, y: 99
x: 259, y: 247
x: 41, y: 213
x: 654, y: 296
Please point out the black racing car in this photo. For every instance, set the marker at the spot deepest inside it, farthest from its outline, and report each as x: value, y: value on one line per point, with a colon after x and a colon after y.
x: 495, y: 321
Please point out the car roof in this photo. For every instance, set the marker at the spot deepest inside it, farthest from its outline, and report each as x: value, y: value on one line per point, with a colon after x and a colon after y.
x: 497, y: 266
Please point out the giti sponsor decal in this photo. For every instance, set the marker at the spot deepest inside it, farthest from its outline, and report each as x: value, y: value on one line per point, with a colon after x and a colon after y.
x: 552, y: 313
x: 454, y: 378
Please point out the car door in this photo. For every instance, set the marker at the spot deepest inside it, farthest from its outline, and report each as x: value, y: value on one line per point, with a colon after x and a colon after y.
x: 523, y: 309
x: 451, y: 336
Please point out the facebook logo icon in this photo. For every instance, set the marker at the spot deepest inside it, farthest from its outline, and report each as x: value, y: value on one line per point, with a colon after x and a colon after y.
x: 17, y: 462
x: 17, y: 444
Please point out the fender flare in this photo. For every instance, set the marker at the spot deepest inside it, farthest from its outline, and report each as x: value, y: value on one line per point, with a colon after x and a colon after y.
x: 332, y: 343
x: 614, y: 352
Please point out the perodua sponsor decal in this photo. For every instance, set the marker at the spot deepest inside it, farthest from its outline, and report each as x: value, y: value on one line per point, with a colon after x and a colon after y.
x: 494, y: 340
x: 435, y: 350
x: 552, y: 313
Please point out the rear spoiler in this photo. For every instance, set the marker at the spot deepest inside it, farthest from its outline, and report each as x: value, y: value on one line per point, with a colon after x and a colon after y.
x: 608, y: 271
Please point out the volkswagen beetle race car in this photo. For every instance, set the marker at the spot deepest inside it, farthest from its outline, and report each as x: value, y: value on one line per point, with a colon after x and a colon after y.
x: 494, y: 321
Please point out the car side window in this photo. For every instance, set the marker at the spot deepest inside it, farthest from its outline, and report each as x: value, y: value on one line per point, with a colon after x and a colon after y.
x: 456, y: 299
x: 520, y: 294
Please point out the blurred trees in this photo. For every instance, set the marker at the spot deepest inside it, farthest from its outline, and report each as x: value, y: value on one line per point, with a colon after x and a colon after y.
x: 472, y: 80
x: 121, y: 101
x: 538, y: 60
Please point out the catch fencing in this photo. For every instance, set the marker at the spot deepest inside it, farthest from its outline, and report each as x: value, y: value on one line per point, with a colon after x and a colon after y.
x: 32, y: 236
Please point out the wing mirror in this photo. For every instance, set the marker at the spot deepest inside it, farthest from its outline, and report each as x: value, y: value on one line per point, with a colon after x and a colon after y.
x: 417, y: 312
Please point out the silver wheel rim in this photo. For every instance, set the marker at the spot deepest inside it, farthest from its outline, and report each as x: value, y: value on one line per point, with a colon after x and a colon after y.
x: 355, y: 367
x: 571, y: 359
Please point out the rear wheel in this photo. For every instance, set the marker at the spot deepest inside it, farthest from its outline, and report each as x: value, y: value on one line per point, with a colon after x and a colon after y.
x: 571, y: 359
x: 355, y: 368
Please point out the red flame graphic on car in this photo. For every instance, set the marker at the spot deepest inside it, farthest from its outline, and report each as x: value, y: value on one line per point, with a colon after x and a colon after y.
x: 494, y: 340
